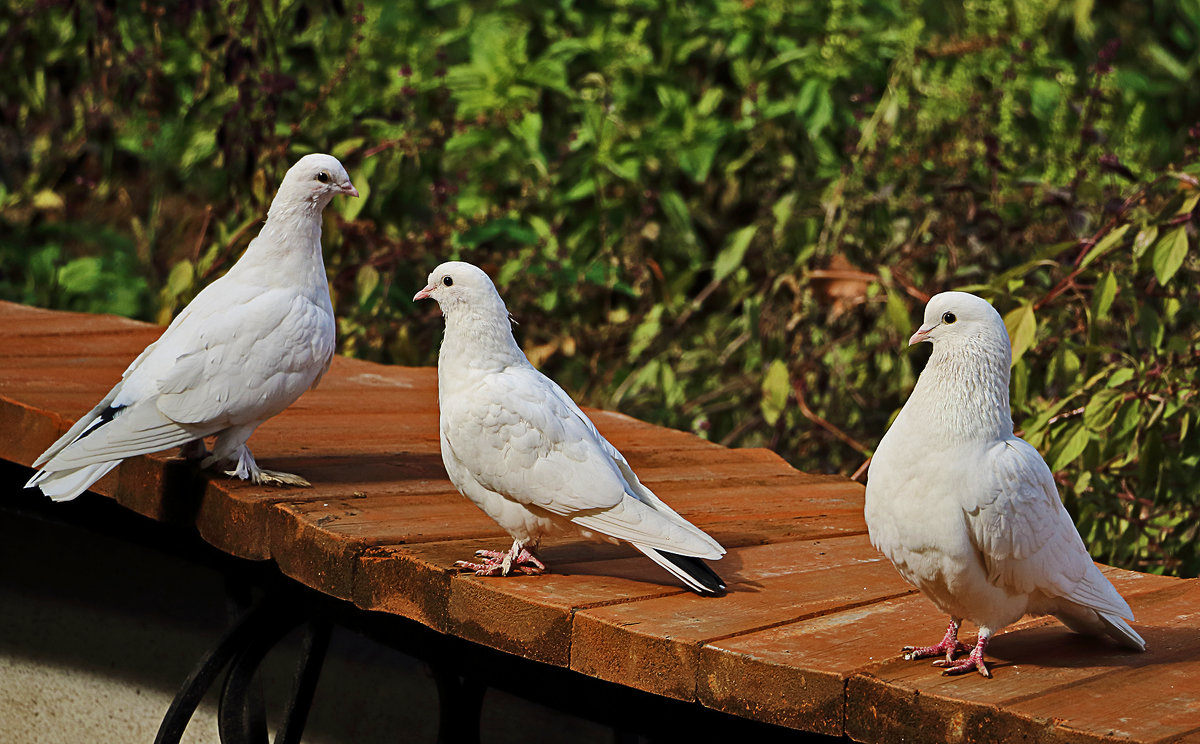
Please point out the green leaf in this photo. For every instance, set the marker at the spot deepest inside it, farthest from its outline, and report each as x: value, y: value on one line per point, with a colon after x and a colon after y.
x: 47, y: 200
x: 1188, y: 206
x: 1119, y: 378
x: 646, y: 332
x: 1044, y: 96
x: 1074, y: 447
x: 202, y: 146
x: 1167, y: 62
x: 674, y: 393
x: 1022, y: 330
x: 1169, y: 253
x: 581, y: 190
x: 1084, y: 26
x: 896, y: 313
x: 1106, y: 292
x: 505, y: 227
x: 180, y: 280
x: 1101, y: 410
x: 80, y: 276
x: 782, y: 211
x: 734, y: 251
x: 1145, y: 238
x: 350, y: 206
x: 775, y: 389
x: 365, y: 284
x: 1106, y: 244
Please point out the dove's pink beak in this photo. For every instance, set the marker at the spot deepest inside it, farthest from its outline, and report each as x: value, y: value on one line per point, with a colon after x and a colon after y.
x: 922, y: 334
x: 348, y: 189
x: 426, y: 293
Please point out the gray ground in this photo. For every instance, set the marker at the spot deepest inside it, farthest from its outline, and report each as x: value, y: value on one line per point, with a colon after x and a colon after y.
x: 96, y: 635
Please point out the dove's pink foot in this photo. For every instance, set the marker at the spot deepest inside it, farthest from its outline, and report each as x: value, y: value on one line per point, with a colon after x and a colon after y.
x: 500, y: 563
x: 974, y: 662
x: 950, y: 646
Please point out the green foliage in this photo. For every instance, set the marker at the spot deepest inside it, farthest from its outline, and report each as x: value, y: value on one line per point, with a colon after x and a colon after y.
x: 723, y: 216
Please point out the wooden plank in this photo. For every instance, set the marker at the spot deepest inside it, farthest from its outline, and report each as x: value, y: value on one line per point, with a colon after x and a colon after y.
x: 583, y: 574
x: 325, y: 529
x: 1033, y: 664
x: 806, y: 638
x: 793, y: 675
x: 525, y: 615
x: 769, y: 585
x: 25, y: 431
x: 234, y: 515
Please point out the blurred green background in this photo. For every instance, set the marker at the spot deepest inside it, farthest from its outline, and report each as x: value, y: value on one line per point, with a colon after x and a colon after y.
x: 721, y: 216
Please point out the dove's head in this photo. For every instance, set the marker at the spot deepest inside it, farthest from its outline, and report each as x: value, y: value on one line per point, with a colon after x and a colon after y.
x: 313, y: 181
x: 956, y: 318
x: 458, y: 285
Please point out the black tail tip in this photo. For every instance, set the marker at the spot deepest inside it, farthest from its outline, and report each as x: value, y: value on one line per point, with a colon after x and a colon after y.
x: 698, y: 570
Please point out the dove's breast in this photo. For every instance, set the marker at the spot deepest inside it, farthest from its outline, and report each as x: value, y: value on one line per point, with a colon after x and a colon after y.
x: 242, y: 363
x: 915, y: 516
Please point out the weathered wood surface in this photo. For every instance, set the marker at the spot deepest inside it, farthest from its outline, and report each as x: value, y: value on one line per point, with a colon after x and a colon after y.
x: 807, y: 636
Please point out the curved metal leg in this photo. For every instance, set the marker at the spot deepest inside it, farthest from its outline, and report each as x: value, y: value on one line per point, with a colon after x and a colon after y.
x: 250, y: 624
x: 241, y: 718
x: 312, y: 657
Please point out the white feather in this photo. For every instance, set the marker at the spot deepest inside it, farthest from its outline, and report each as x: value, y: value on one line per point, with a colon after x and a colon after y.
x: 967, y: 511
x: 516, y: 445
x: 243, y: 350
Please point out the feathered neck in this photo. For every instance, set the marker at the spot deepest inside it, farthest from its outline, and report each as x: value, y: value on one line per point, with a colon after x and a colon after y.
x: 478, y: 337
x: 294, y: 220
x: 963, y: 391
x: 289, y: 244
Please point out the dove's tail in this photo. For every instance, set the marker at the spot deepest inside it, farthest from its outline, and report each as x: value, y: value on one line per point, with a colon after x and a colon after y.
x: 64, y: 485
x: 1121, y: 632
x: 1099, y: 623
x: 693, y: 572
x: 100, y: 441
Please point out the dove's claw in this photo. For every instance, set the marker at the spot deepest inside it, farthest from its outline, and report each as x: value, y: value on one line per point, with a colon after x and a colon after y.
x: 494, y: 555
x: 249, y: 470
x: 272, y: 478
x: 949, y: 645
x: 277, y: 478
x: 974, y: 662
x: 481, y: 569
x: 502, y: 563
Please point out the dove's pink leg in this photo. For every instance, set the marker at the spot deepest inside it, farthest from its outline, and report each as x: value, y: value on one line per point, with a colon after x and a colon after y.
x: 974, y: 662
x: 950, y: 646
x: 498, y: 563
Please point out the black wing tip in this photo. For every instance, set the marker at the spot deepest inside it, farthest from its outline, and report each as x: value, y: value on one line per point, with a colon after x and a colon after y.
x: 700, y: 571
x: 102, y: 418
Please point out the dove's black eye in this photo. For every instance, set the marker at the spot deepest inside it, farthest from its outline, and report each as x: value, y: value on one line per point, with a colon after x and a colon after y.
x: 948, y: 318
x: 448, y: 280
x: 323, y: 177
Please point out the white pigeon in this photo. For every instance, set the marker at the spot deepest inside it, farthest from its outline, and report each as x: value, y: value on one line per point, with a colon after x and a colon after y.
x: 968, y: 512
x: 242, y: 351
x: 518, y: 447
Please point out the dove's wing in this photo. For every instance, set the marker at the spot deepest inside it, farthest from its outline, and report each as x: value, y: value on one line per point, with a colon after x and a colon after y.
x: 519, y: 435
x: 227, y: 371
x: 104, y: 411
x: 1026, y: 537
x: 211, y: 369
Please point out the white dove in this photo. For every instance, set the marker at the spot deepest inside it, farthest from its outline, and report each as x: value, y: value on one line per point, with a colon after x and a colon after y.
x: 518, y: 447
x: 242, y: 351
x: 968, y: 512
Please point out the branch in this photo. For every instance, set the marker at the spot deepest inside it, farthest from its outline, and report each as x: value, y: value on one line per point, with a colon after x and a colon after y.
x: 798, y: 391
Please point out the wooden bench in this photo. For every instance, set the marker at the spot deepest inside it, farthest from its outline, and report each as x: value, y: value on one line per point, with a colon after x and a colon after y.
x: 807, y: 638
